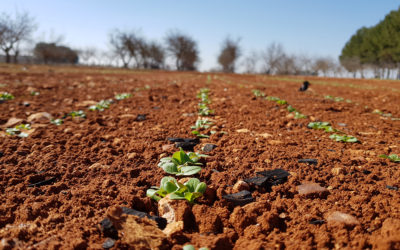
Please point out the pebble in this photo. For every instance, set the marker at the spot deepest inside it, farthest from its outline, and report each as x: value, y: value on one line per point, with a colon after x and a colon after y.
x: 39, y: 117
x: 337, y: 171
x: 209, y: 147
x: 1, y: 154
x: 109, y: 243
x: 342, y: 218
x: 167, y: 147
x: 131, y: 155
x: 240, y: 185
x: 312, y: 190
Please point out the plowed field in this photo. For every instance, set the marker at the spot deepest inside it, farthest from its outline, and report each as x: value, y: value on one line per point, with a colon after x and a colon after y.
x: 347, y: 197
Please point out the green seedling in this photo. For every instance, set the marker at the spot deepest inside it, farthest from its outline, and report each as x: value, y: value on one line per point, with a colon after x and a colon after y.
x: 4, y: 96
x: 17, y: 130
x: 343, y: 138
x: 191, y: 247
x: 122, y: 96
x: 181, y: 163
x: 281, y: 102
x: 291, y: 109
x: 79, y: 113
x: 322, y: 125
x: 190, y: 190
x: 298, y: 115
x: 204, y: 110
x: 200, y: 135
x: 35, y: 93
x: 391, y: 157
x: 258, y: 93
x: 101, y: 106
x: 57, y: 122
x: 272, y: 98
x: 202, y: 124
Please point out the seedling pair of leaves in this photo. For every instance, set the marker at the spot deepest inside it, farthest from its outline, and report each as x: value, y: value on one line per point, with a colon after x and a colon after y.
x: 190, y: 190
x: 122, y: 96
x: 57, y: 122
x: 101, y: 106
x: 276, y: 99
x: 297, y: 114
x: 181, y: 163
x: 322, y: 125
x: 200, y: 125
x: 392, y: 157
x: 258, y: 93
x: 204, y: 110
x: 17, y: 130
x: 79, y: 113
x: 343, y: 138
x: 35, y: 93
x: 4, y: 96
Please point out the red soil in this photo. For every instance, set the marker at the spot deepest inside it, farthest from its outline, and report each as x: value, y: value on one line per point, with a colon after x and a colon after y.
x: 109, y: 159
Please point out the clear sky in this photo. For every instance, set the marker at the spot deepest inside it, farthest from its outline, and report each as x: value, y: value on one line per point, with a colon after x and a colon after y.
x: 313, y: 27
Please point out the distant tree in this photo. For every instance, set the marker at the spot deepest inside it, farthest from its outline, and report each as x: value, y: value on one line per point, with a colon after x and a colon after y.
x: 324, y: 65
x: 14, y: 30
x: 120, y: 43
x: 52, y: 53
x: 87, y: 55
x: 156, y: 55
x: 230, y: 52
x: 250, y: 62
x: 183, y: 49
x: 272, y: 58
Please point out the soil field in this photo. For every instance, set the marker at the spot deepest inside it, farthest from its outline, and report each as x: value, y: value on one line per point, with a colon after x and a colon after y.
x: 59, y: 183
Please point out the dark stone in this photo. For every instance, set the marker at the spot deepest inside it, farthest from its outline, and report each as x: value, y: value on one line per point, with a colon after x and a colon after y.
x: 366, y: 172
x: 331, y: 150
x: 304, y: 87
x: 141, y: 117
x: 309, y: 161
x: 259, y: 181
x: 109, y: 243
x: 185, y: 145
x: 209, y: 147
x: 392, y: 188
x: 43, y: 183
x: 26, y: 104
x: 276, y: 176
x: 161, y: 222
x: 1, y: 154
x: 317, y: 222
x: 108, y: 229
x: 178, y: 139
x: 239, y: 199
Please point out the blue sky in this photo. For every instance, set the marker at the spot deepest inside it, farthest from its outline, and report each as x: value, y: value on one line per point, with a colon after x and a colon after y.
x: 313, y: 27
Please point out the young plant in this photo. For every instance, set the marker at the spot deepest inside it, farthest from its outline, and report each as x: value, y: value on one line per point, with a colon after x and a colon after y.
x: 35, y: 93
x: 18, y: 130
x: 258, y: 93
x: 343, y: 138
x: 57, y: 122
x: 79, y: 113
x: 322, y: 125
x: 200, y: 135
x: 298, y: 115
x: 204, y: 110
x: 122, y: 96
x: 181, y: 163
x: 272, y: 98
x: 392, y: 157
x: 4, y: 96
x: 190, y: 190
x: 202, y: 124
x: 101, y: 106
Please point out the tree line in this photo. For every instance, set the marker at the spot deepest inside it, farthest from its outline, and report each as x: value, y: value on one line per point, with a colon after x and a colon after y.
x: 375, y: 49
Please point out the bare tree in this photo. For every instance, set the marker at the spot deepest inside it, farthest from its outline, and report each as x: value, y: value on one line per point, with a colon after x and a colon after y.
x: 230, y: 52
x: 324, y: 65
x: 87, y: 55
x: 119, y: 44
x: 272, y: 58
x: 156, y: 55
x: 250, y: 62
x: 183, y: 49
x: 13, y: 31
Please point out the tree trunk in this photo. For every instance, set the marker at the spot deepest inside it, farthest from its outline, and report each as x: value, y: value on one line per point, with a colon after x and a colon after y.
x: 8, y: 56
x: 16, y: 57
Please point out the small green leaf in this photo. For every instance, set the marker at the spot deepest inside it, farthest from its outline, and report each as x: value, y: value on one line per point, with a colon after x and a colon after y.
x: 189, y: 247
x: 192, y: 184
x: 176, y: 196
x: 189, y: 170
x: 170, y: 168
x: 201, y: 187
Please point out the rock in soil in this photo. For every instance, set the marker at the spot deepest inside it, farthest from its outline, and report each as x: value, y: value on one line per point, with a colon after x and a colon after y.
x: 312, y: 190
x: 109, y: 243
x: 343, y: 218
x: 140, y: 233
x: 39, y: 117
x: 240, y: 185
x: 239, y: 199
x: 209, y: 147
x: 175, y: 210
x: 309, y: 161
x: 11, y: 122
